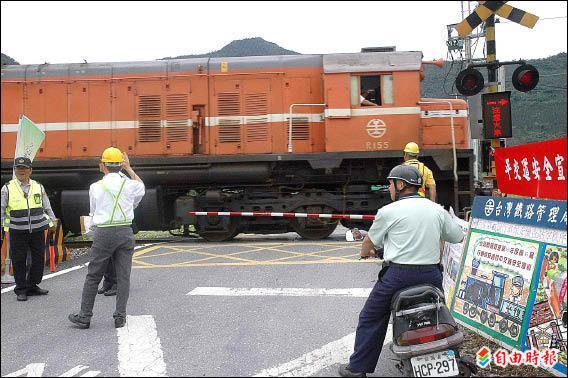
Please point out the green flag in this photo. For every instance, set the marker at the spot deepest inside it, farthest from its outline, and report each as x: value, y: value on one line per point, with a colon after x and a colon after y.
x: 29, y: 139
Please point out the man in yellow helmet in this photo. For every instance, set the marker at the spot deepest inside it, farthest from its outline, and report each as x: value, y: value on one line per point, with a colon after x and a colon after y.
x: 26, y: 213
x: 112, y: 200
x: 411, y: 152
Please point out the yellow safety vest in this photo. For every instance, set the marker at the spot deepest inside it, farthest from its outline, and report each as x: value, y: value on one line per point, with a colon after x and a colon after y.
x: 24, y: 212
x: 420, y: 166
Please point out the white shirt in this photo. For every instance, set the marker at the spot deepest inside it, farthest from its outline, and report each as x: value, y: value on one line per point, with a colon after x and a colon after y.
x: 410, y: 230
x: 102, y: 203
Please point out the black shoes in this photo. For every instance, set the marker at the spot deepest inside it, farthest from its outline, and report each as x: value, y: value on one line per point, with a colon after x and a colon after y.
x: 22, y: 297
x: 346, y: 371
x: 84, y: 322
x: 119, y: 322
x: 37, y: 291
x: 110, y: 292
x: 80, y: 321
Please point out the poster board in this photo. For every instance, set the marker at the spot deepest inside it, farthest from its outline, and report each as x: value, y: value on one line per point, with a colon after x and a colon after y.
x: 514, y: 262
x: 451, y: 260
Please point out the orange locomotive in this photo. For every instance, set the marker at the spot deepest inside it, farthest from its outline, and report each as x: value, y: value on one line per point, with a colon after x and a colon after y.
x: 264, y: 133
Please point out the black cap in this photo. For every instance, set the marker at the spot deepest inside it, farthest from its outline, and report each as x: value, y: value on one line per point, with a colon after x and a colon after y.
x: 407, y: 173
x: 23, y: 162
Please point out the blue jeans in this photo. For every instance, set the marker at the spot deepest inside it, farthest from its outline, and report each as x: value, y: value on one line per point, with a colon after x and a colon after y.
x: 375, y: 315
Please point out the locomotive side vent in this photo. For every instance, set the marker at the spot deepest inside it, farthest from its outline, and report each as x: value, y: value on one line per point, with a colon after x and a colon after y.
x: 229, y: 130
x: 300, y: 128
x: 176, y: 117
x: 256, y: 110
x: 149, y: 119
x: 229, y: 107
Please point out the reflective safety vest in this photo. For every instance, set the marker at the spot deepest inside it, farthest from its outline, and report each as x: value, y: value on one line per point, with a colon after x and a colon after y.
x: 119, y: 220
x: 24, y: 212
x: 420, y: 166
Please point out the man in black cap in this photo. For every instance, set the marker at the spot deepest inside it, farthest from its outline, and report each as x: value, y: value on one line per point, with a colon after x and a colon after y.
x: 26, y: 214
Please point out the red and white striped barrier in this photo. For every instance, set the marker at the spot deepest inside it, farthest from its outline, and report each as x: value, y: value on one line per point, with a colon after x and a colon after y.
x: 285, y: 215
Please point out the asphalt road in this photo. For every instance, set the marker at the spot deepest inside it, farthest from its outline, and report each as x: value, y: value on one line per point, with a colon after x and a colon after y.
x: 200, y: 335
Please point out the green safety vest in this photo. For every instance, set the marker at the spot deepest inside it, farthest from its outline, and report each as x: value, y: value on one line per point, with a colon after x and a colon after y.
x: 112, y: 222
x: 24, y: 212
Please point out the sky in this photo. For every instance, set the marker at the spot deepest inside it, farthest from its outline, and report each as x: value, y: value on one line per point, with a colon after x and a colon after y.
x: 70, y: 32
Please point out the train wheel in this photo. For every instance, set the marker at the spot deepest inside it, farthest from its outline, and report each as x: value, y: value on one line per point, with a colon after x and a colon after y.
x: 465, y: 308
x: 503, y: 326
x: 472, y: 312
x: 483, y: 316
x: 491, y: 320
x: 218, y: 236
x: 217, y: 229
x: 313, y: 231
x: 514, y: 330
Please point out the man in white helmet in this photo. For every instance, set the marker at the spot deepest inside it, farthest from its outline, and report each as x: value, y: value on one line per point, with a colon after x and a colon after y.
x: 410, y: 230
x: 112, y: 200
x: 411, y: 152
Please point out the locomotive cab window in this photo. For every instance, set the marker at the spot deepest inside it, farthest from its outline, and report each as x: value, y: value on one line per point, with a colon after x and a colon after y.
x: 371, y: 90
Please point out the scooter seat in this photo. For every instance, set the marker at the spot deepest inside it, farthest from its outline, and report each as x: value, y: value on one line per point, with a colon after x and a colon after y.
x: 416, y: 294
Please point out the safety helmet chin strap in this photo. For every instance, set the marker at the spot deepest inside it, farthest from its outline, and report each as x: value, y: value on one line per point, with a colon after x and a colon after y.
x: 396, y: 190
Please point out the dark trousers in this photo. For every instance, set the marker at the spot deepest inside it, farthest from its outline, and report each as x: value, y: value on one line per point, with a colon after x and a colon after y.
x: 109, y: 242
x: 20, y: 244
x: 375, y: 315
x: 109, y: 276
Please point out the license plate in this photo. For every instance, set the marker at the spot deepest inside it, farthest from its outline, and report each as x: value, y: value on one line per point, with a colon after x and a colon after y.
x: 439, y: 364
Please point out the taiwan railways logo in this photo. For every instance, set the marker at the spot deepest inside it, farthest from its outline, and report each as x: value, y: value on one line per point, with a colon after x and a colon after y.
x: 376, y: 128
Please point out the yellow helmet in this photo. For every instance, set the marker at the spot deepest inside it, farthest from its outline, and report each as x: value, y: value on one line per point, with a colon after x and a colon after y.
x: 112, y: 155
x: 412, y: 148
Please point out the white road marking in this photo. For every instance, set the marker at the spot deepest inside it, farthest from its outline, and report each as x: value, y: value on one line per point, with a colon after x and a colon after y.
x: 32, y: 370
x: 73, y: 371
x: 91, y: 373
x: 139, y: 349
x: 287, y: 292
x: 64, y: 271
x: 36, y: 370
x: 336, y: 352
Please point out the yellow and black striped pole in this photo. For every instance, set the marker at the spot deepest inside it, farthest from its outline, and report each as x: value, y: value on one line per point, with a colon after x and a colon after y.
x: 481, y: 13
x: 517, y: 15
x: 492, y: 78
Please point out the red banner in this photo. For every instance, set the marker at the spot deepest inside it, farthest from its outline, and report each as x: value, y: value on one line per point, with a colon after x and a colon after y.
x: 533, y: 170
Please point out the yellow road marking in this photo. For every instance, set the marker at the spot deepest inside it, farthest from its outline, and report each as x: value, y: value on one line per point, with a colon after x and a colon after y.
x: 142, y: 251
x: 256, y: 263
x: 238, y: 261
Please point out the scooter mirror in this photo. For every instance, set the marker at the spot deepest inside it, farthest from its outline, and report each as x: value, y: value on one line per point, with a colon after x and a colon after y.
x: 354, y: 235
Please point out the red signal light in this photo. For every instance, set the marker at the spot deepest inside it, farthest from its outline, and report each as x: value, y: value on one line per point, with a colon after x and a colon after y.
x: 469, y: 82
x: 525, y: 78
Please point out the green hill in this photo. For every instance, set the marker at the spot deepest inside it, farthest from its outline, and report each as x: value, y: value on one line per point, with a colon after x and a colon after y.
x: 244, y: 47
x: 6, y: 60
x: 537, y: 115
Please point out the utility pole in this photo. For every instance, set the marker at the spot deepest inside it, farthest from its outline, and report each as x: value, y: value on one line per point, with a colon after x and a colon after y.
x: 491, y: 46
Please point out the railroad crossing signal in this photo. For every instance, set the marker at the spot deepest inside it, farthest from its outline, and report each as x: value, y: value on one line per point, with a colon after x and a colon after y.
x: 470, y: 82
x: 486, y: 9
x: 525, y: 78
